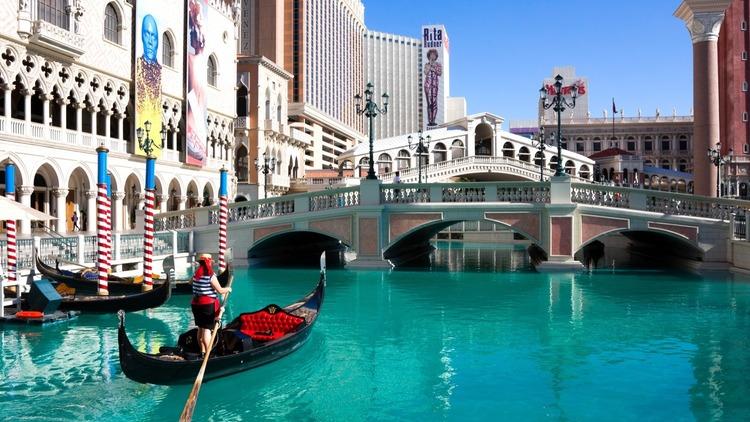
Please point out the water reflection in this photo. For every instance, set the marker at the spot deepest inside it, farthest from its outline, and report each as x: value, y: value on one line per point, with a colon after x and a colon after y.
x: 414, y: 345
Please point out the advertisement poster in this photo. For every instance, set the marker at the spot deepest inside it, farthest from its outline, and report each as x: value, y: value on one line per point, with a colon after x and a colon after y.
x: 197, y: 78
x: 148, y: 72
x: 434, y: 74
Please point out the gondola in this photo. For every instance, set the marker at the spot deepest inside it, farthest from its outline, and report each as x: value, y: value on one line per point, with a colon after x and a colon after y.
x: 250, y: 340
x: 78, y: 281
x: 116, y: 285
x: 112, y: 303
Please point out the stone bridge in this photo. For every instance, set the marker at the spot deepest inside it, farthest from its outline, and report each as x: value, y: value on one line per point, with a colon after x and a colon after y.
x: 380, y: 224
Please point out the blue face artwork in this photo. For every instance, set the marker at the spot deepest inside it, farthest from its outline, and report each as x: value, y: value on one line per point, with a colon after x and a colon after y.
x: 150, y: 37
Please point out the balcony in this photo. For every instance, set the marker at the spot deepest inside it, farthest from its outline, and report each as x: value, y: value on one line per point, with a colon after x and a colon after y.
x: 59, y: 40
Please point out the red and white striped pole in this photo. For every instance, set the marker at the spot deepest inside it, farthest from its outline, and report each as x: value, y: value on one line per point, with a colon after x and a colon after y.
x: 148, y: 234
x: 10, y: 192
x: 223, y: 219
x: 102, y: 211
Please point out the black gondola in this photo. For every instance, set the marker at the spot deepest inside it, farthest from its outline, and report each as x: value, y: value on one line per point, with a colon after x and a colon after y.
x: 237, y: 349
x: 116, y: 285
x: 112, y: 303
x: 77, y: 280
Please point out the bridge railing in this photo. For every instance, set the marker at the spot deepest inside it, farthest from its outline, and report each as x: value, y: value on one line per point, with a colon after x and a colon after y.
x: 656, y: 201
x: 334, y: 198
x: 739, y: 226
x: 404, y: 193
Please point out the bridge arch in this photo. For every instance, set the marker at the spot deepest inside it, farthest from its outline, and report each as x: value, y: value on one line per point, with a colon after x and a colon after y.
x: 305, y: 245
x: 414, y: 242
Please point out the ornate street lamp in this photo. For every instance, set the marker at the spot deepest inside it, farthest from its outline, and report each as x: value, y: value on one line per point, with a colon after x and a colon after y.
x: 714, y: 155
x: 539, y: 142
x: 554, y: 96
x: 266, y: 166
x: 147, y: 145
x: 422, y: 149
x: 370, y: 110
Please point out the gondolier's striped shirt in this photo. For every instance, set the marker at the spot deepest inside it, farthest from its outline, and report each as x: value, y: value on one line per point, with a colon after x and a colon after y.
x: 202, y: 287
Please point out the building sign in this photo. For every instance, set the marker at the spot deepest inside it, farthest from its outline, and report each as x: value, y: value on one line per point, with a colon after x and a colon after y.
x: 197, y: 78
x: 148, y: 30
x: 435, y: 74
x: 567, y: 90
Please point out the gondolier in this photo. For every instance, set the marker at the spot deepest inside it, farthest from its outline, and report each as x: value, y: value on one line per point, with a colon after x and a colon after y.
x: 205, y: 303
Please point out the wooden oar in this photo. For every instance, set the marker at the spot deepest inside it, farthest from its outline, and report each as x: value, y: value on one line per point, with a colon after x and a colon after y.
x: 187, y: 411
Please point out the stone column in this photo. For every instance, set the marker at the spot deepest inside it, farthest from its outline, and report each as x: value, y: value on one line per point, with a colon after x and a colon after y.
x: 93, y: 112
x: 108, y: 123
x: 703, y: 20
x: 117, y: 209
x: 27, y: 106
x: 79, y: 117
x: 63, y: 113
x: 182, y: 202
x: 120, y: 119
x: 90, y: 211
x: 163, y: 203
x: 62, y: 217
x: 46, y: 98
x: 25, y: 192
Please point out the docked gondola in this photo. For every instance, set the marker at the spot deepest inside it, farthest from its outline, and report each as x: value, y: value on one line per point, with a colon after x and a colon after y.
x: 86, y: 280
x: 250, y: 340
x: 111, y: 303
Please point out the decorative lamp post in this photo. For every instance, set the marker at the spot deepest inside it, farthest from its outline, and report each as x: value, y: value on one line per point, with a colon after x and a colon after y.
x: 421, y: 148
x: 714, y: 155
x: 146, y: 143
x: 370, y: 110
x: 540, y: 143
x: 554, y: 96
x: 223, y: 219
x: 265, y: 167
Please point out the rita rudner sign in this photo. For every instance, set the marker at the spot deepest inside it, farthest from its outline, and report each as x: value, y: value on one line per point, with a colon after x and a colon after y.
x: 567, y: 90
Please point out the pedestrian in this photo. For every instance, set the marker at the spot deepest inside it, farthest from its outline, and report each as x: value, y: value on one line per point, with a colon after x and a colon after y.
x: 84, y: 219
x: 397, y: 180
x: 74, y: 219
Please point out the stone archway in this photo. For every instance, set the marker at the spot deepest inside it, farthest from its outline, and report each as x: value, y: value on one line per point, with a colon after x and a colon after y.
x: 483, y: 136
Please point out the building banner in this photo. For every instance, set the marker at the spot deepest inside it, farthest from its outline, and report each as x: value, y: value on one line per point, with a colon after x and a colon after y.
x: 435, y: 77
x: 148, y: 71
x: 197, y: 64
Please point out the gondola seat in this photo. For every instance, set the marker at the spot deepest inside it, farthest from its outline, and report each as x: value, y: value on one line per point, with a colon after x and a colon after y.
x: 269, y: 323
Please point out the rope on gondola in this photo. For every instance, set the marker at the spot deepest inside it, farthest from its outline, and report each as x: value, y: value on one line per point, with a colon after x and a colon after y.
x: 187, y: 411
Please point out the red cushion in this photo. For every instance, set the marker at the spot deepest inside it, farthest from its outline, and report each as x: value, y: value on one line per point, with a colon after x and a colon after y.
x: 264, y: 326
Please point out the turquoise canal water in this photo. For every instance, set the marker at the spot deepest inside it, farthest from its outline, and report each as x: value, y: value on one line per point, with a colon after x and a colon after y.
x: 425, y: 345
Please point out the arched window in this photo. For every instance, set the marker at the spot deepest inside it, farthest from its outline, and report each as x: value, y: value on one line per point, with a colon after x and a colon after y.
x: 53, y: 11
x: 403, y: 160
x: 384, y: 164
x: 167, y: 50
x: 111, y: 24
x: 508, y: 150
x: 524, y: 154
x: 439, y: 153
x: 665, y: 164
x: 213, y: 71
x: 278, y: 108
x: 242, y: 101
x: 268, y: 104
x: 584, y: 172
x: 457, y: 149
x: 683, y: 165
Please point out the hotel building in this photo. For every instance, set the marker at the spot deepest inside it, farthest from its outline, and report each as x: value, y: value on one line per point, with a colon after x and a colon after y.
x: 323, y: 51
x: 67, y: 87
x: 734, y: 97
x: 392, y: 63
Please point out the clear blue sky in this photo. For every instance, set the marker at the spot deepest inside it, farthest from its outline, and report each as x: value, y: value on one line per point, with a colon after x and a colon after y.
x: 501, y: 50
